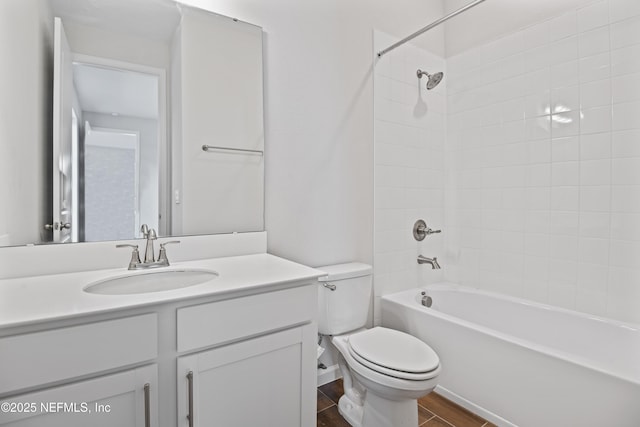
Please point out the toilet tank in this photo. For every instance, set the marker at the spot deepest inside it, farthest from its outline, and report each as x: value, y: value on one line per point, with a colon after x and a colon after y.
x: 344, y: 297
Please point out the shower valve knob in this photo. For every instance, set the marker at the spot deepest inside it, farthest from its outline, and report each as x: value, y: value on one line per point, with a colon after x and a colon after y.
x: 421, y: 230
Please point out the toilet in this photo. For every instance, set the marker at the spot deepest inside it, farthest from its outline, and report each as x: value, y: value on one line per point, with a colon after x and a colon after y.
x: 384, y: 371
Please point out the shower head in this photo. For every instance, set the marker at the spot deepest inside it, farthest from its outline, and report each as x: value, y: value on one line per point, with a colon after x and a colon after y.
x: 434, y: 79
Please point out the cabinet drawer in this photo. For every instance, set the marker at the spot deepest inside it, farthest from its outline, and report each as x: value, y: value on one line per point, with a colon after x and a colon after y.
x: 44, y: 357
x: 223, y: 321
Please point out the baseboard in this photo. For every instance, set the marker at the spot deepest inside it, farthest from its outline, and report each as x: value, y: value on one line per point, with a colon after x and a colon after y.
x: 478, y: 410
x: 328, y: 375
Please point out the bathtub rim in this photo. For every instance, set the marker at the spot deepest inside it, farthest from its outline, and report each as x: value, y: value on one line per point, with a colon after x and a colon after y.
x: 412, y: 296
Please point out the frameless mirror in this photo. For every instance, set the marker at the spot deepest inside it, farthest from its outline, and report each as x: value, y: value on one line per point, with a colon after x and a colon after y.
x: 157, y: 120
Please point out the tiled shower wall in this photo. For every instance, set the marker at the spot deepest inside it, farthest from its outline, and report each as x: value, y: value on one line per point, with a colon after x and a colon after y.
x: 543, y: 162
x: 410, y: 125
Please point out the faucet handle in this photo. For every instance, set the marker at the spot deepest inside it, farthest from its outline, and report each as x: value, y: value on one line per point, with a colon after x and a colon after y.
x: 162, y: 256
x: 135, y: 255
x: 162, y: 245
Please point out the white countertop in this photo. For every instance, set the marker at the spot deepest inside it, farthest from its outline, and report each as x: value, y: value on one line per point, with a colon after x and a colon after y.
x: 36, y: 299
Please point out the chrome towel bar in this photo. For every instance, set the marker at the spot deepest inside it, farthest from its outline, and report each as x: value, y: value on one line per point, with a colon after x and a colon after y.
x: 240, y: 150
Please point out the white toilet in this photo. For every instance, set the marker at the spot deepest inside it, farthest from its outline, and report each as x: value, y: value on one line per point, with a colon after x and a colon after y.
x: 384, y: 371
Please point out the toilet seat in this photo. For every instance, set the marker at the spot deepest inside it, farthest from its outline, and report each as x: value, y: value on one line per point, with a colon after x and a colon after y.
x: 394, y: 353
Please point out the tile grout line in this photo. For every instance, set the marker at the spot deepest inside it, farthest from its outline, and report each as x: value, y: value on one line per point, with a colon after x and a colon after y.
x: 328, y: 407
x: 426, y: 421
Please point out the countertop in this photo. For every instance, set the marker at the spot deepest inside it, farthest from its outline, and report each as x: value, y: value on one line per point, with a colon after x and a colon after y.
x: 30, y: 300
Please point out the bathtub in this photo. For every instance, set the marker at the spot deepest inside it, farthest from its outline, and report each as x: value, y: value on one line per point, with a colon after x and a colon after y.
x: 520, y: 363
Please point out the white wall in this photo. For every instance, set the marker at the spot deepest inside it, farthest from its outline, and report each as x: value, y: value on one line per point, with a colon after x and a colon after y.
x: 319, y: 118
x: 410, y: 137
x: 547, y: 206
x: 25, y: 119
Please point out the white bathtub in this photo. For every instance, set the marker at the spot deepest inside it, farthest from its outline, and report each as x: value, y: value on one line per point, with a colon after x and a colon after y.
x: 521, y: 363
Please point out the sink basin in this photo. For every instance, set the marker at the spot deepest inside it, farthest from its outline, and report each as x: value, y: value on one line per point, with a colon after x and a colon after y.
x: 151, y: 281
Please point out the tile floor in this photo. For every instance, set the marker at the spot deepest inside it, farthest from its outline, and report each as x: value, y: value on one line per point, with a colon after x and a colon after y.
x: 433, y: 410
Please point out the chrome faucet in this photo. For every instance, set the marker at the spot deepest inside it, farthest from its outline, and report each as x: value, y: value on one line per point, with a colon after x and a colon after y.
x: 149, y: 253
x: 433, y: 261
x: 150, y: 235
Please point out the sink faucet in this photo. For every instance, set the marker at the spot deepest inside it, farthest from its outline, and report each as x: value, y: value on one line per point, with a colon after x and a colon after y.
x: 149, y: 253
x: 150, y: 235
x: 433, y: 261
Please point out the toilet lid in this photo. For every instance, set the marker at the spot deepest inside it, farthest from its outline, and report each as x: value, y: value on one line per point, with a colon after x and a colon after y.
x: 393, y: 353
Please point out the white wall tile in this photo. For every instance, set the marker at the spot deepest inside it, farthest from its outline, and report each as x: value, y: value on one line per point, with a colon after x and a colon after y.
x: 626, y: 171
x: 595, y: 67
x: 625, y: 60
x: 593, y: 16
x: 625, y: 115
x: 595, y: 199
x: 594, y: 42
x: 595, y: 224
x: 563, y: 26
x: 565, y: 198
x: 626, y: 88
x: 625, y: 198
x: 565, y: 174
x: 595, y: 172
x: 622, y: 9
x: 564, y: 74
x: 625, y: 33
x: 593, y: 251
x: 595, y: 94
x: 595, y: 146
x: 565, y: 149
x: 565, y: 124
x: 625, y: 226
x: 595, y: 120
x: 565, y: 99
x: 626, y: 143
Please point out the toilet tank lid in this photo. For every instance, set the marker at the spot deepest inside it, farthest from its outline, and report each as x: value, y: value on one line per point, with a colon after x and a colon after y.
x: 344, y: 271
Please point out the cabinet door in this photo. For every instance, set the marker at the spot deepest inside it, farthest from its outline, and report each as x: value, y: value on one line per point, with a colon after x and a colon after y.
x: 264, y: 381
x: 121, y: 400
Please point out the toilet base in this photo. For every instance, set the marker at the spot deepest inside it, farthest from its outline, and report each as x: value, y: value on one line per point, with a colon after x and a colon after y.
x: 379, y: 412
x: 350, y: 411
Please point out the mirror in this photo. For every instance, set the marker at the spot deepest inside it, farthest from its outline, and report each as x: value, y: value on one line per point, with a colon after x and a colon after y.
x: 157, y: 119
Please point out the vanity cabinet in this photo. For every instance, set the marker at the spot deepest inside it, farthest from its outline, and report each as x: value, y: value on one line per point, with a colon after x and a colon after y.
x: 262, y: 370
x: 125, y: 399
x: 231, y: 360
x: 251, y: 383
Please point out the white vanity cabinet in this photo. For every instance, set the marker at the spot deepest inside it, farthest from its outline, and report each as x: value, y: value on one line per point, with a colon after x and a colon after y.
x: 266, y: 376
x: 234, y: 359
x: 125, y: 399
x: 34, y: 363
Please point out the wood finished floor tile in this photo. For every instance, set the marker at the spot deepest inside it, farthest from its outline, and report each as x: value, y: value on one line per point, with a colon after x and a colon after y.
x: 436, y: 422
x: 424, y: 415
x: 333, y: 390
x: 331, y: 418
x: 323, y: 401
x: 450, y: 412
x: 488, y: 424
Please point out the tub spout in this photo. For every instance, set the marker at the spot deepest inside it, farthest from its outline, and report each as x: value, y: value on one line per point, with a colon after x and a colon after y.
x: 433, y: 261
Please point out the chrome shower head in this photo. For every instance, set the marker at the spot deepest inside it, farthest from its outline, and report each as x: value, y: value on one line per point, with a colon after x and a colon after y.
x: 434, y: 79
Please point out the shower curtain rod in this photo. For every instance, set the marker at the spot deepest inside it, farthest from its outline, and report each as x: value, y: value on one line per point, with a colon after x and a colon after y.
x: 430, y: 26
